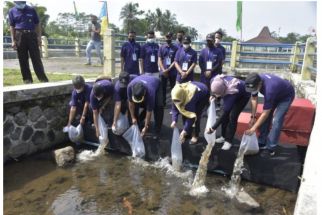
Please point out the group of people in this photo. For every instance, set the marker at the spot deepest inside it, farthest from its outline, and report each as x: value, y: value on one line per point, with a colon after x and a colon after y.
x: 142, y: 87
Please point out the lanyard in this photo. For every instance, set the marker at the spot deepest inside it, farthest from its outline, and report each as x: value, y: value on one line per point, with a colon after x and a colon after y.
x: 132, y: 47
x: 210, y: 55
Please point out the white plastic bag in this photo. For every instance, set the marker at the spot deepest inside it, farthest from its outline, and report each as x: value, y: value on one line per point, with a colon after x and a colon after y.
x: 176, y: 150
x: 133, y: 137
x: 75, y: 134
x: 210, y: 138
x: 249, y: 144
x: 103, y: 138
x: 121, y: 125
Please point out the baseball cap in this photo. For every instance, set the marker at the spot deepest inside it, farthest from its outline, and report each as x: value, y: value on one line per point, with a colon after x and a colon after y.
x: 124, y: 79
x: 138, y: 92
x: 209, y: 37
x: 252, y: 81
x: 187, y: 39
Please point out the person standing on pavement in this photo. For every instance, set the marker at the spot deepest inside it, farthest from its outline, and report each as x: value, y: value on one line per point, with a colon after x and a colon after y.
x: 180, y: 35
x: 25, y: 33
x: 149, y: 56
x: 218, y: 38
x: 95, y: 42
x: 130, y: 53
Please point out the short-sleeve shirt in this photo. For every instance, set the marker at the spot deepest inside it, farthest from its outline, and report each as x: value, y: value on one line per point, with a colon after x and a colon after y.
x: 78, y: 99
x: 117, y: 90
x: 24, y: 19
x: 131, y: 63
x: 148, y: 50
x: 151, y: 85
x: 275, y: 90
x: 186, y: 56
x: 223, y: 50
x: 209, y: 54
x: 168, y: 52
x: 108, y: 92
x: 201, y: 94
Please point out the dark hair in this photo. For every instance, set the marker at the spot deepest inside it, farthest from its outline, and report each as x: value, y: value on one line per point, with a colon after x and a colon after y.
x: 78, y: 82
x: 181, y: 32
x: 220, y: 33
x: 132, y: 32
x: 150, y: 32
x: 98, y: 90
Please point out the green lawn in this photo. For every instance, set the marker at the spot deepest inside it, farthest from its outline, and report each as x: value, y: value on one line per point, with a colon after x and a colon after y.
x: 13, y: 77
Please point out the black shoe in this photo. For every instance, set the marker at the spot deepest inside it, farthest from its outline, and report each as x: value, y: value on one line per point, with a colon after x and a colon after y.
x: 268, y: 153
x: 27, y: 81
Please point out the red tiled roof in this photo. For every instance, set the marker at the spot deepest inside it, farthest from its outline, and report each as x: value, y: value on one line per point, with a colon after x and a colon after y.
x: 263, y: 37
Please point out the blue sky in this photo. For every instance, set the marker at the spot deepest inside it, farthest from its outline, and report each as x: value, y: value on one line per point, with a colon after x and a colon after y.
x: 207, y: 16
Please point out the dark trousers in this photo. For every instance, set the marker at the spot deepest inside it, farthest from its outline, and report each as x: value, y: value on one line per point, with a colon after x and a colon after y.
x: 158, y: 111
x: 27, y: 44
x: 229, y: 124
x: 164, y: 81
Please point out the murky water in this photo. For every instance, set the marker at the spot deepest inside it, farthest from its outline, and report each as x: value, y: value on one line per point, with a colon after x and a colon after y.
x: 114, y: 184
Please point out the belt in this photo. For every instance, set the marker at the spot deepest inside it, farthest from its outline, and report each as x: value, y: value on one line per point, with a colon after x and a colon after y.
x: 24, y: 31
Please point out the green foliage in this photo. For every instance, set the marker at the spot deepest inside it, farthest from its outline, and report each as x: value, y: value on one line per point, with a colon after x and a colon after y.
x: 290, y: 38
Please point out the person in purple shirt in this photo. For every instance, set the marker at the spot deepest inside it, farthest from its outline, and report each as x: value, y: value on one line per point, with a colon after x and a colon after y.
x: 189, y: 99
x: 235, y: 98
x: 210, y: 60
x: 278, y: 96
x: 120, y: 95
x: 185, y: 61
x: 79, y: 104
x: 145, y: 91
x: 25, y: 33
x: 101, y: 97
x: 149, y: 56
x: 168, y: 71
x: 180, y: 35
x: 130, y: 53
x: 218, y: 38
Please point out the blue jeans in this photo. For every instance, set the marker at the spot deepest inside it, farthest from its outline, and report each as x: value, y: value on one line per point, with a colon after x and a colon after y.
x: 94, y: 44
x: 270, y: 138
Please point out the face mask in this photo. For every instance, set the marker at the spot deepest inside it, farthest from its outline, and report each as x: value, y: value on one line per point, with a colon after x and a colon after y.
x: 180, y: 39
x: 210, y: 44
x: 150, y: 40
x: 169, y: 41
x: 186, y: 46
x: 131, y: 39
x: 79, y: 90
x: 20, y: 5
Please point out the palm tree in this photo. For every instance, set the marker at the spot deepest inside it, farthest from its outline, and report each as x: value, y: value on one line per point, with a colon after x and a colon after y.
x: 169, y: 21
x: 129, y: 14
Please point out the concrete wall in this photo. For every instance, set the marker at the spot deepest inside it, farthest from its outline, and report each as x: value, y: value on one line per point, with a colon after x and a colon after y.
x: 33, y: 117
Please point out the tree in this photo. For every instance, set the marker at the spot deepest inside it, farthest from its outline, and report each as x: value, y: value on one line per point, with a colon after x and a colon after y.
x: 290, y: 38
x: 129, y: 14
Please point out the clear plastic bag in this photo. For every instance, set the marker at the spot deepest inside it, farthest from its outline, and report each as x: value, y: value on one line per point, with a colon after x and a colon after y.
x: 210, y: 138
x: 249, y: 144
x: 121, y: 125
x: 75, y: 134
x: 176, y: 150
x: 103, y: 138
x: 133, y: 137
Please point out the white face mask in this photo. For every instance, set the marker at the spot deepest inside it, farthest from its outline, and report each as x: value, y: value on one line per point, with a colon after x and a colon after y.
x: 79, y: 90
x: 217, y: 41
x: 99, y: 99
x: 20, y: 5
x: 150, y: 40
x: 186, y: 46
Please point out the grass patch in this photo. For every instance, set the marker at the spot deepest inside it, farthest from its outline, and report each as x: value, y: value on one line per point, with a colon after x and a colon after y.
x: 13, y: 77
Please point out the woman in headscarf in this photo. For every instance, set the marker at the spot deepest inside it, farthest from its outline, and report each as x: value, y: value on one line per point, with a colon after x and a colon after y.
x: 235, y: 98
x: 189, y: 99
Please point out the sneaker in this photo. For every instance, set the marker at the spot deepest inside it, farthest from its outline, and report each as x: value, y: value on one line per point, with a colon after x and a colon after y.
x: 262, y: 147
x: 27, y: 81
x: 87, y: 64
x: 226, y: 146
x: 220, y: 140
x: 268, y: 153
x: 271, y: 152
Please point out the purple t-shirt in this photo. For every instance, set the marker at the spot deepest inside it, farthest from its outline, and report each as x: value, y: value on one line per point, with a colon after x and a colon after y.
x: 168, y: 52
x: 131, y: 63
x: 108, y: 92
x: 151, y: 84
x: 148, y: 50
x: 201, y: 94
x: 78, y: 99
x: 222, y: 49
x: 185, y: 56
x: 24, y: 19
x: 275, y: 90
x: 231, y: 99
x: 209, y: 54
x: 118, y: 92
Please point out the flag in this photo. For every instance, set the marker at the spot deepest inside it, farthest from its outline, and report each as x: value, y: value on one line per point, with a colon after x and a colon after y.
x: 104, y: 18
x: 75, y: 9
x: 239, y: 15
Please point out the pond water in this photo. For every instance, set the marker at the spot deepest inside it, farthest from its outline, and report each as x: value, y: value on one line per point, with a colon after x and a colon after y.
x: 116, y: 184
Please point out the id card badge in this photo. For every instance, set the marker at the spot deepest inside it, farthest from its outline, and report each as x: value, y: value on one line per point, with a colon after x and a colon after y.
x: 209, y: 65
x: 168, y: 61
x: 134, y: 58
x: 152, y: 59
x: 185, y: 66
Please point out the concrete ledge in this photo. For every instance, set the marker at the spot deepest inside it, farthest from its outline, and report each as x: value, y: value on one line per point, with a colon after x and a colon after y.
x: 304, y: 89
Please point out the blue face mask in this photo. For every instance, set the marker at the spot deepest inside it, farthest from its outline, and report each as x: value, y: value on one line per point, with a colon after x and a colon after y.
x: 20, y: 5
